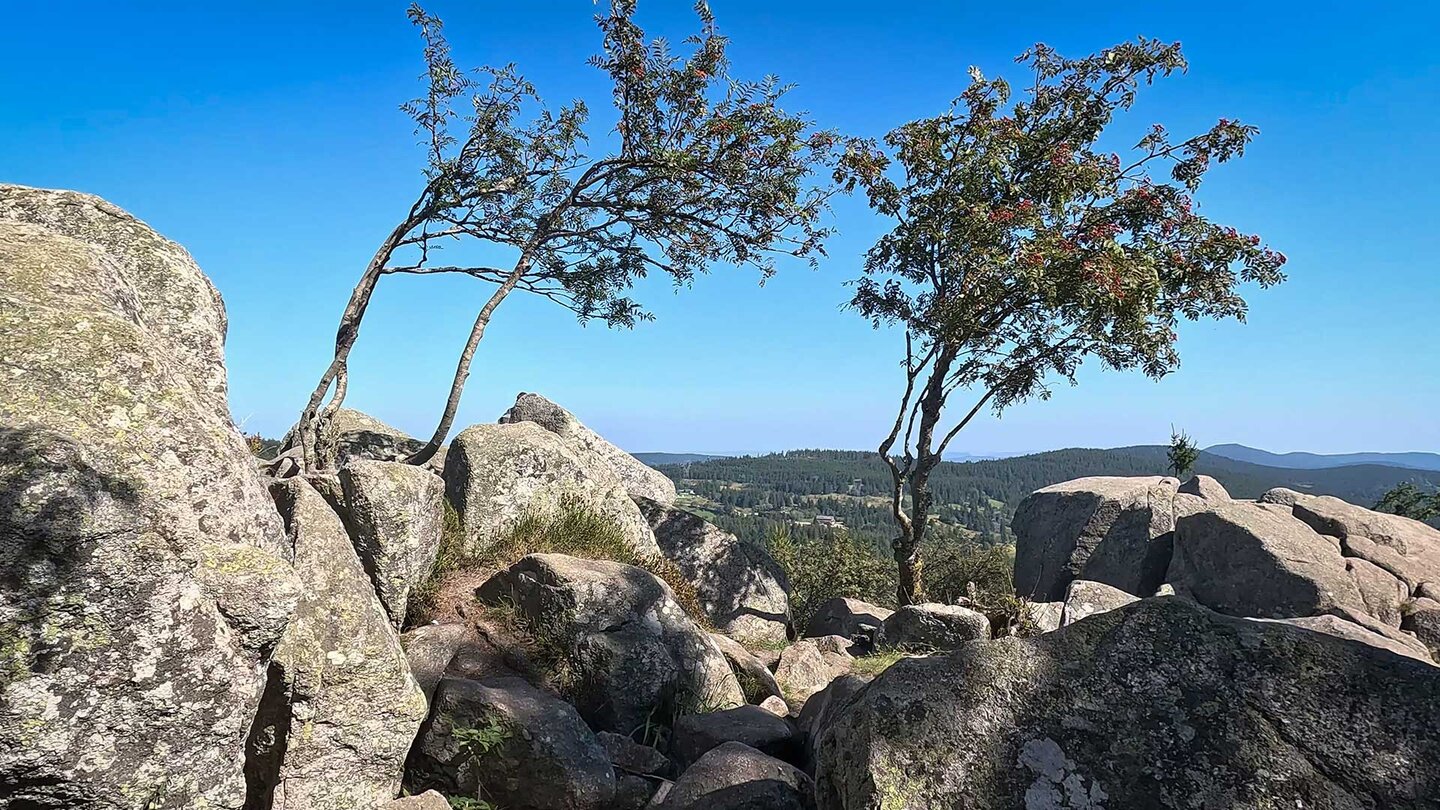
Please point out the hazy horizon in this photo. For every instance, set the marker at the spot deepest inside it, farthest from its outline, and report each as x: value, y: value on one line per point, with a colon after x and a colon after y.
x: 269, y: 144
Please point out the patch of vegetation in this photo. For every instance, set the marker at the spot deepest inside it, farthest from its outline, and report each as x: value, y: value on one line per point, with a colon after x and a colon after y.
x: 451, y: 557
x: 877, y: 663
x: 956, y: 570
x: 822, y: 568
x: 578, y: 531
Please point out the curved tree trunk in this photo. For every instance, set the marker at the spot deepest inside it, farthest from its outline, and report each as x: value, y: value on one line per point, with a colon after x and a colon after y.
x: 462, y: 369
x: 314, y: 419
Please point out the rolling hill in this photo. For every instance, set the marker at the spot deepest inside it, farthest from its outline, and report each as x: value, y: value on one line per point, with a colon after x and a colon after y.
x: 1318, y: 461
x: 753, y: 495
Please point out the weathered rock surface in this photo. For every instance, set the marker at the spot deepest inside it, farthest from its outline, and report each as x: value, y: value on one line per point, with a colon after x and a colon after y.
x: 497, y: 474
x: 1408, y: 549
x: 810, y: 664
x: 640, y: 480
x: 1158, y: 704
x: 437, y: 650
x: 1383, y: 595
x: 847, y: 617
x: 632, y: 652
x: 1246, y: 560
x: 143, y: 577
x: 1086, y: 598
x: 537, y: 753
x: 1422, y: 617
x: 429, y: 800
x: 341, y: 708
x: 1206, y: 488
x: 1340, y: 628
x: 735, y: 776
x: 696, y: 734
x: 633, y: 757
x: 394, y: 514
x: 1111, y: 530
x: 1046, y: 616
x: 820, y: 712
x: 756, y: 679
x: 741, y: 588
x: 933, y: 626
x: 776, y: 705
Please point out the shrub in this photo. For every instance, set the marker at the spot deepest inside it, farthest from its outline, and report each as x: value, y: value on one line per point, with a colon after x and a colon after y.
x: 573, y: 529
x: 822, y: 568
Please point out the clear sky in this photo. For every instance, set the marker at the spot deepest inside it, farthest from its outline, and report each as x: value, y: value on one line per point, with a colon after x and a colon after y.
x: 265, y: 137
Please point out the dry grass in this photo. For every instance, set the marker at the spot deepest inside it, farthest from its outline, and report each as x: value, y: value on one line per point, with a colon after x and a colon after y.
x: 877, y: 663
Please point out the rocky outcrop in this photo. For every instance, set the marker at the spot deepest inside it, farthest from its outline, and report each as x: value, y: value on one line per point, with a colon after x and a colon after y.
x: 1111, y: 530
x: 696, y: 734
x: 640, y: 481
x: 497, y: 474
x: 1247, y: 560
x: 1207, y: 709
x: 933, y: 626
x: 1341, y: 628
x: 735, y: 776
x: 1205, y: 488
x: 341, y: 707
x: 741, y: 588
x: 810, y: 664
x: 632, y: 757
x: 632, y: 654
x: 755, y: 678
x: 1422, y: 618
x: 1086, y: 598
x: 507, y: 742
x: 1408, y: 549
x: 820, y: 712
x: 394, y: 513
x: 851, y: 618
x: 143, y: 578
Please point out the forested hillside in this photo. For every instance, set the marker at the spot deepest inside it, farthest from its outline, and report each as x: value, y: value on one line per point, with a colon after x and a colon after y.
x: 752, y: 495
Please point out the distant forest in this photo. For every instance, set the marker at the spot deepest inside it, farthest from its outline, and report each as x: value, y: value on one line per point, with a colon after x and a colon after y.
x: 751, y: 496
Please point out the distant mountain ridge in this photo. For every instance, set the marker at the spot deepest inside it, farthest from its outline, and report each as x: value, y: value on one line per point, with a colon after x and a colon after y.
x: 657, y: 459
x: 1324, y: 461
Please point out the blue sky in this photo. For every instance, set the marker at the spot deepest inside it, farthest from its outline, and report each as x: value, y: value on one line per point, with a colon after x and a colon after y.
x: 265, y: 137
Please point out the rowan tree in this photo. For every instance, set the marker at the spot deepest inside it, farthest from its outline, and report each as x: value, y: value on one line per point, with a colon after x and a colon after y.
x: 700, y: 169
x: 1020, y: 247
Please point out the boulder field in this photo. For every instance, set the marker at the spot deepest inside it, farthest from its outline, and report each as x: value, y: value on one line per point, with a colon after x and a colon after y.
x: 185, y: 626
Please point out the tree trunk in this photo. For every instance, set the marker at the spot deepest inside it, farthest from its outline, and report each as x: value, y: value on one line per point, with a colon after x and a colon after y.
x: 313, y: 419
x: 462, y: 369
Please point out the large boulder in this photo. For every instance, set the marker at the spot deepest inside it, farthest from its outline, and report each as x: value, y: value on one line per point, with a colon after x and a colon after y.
x: 1422, y: 618
x: 1085, y: 598
x: 143, y: 570
x: 507, y: 742
x: 640, y: 480
x: 810, y: 664
x: 497, y: 474
x: 1408, y: 549
x: 1111, y: 530
x: 756, y: 679
x: 341, y: 707
x: 933, y: 626
x: 1159, y: 704
x: 735, y: 776
x: 741, y: 588
x: 394, y: 513
x: 631, y: 654
x: 696, y: 734
x: 821, y: 710
x: 847, y: 617
x: 1341, y: 628
x: 1245, y: 559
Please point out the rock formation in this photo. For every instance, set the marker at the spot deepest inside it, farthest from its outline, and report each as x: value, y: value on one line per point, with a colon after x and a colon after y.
x: 640, y: 481
x: 144, y: 576
x: 741, y: 588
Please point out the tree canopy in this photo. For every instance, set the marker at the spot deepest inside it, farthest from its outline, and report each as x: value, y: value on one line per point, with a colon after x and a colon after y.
x: 701, y: 169
x: 1020, y: 246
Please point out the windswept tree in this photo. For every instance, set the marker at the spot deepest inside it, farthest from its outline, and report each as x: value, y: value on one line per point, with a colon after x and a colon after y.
x: 1182, y: 454
x: 1021, y: 247
x: 700, y: 169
